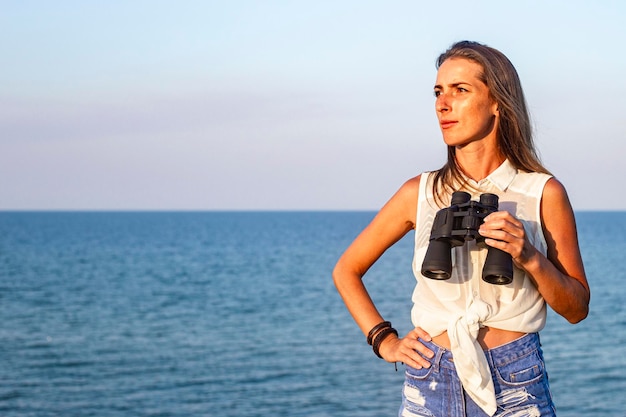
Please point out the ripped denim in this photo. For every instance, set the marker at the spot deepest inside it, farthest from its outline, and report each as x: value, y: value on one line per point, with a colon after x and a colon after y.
x: 518, y: 373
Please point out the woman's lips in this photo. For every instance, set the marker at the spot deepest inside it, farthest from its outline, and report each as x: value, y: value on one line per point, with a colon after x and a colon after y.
x: 445, y: 124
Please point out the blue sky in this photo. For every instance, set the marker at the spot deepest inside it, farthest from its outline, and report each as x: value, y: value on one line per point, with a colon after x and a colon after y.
x: 219, y: 105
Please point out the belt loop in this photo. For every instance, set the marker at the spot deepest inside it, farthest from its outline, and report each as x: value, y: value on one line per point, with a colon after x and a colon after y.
x: 436, y: 362
x: 439, y: 352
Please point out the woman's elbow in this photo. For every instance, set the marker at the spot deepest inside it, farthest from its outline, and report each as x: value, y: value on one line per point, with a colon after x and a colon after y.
x: 338, y: 274
x: 580, y: 316
x: 580, y: 313
x: 344, y: 276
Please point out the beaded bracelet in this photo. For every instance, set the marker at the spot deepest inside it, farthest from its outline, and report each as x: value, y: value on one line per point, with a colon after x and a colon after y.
x: 380, y: 337
x: 376, y: 329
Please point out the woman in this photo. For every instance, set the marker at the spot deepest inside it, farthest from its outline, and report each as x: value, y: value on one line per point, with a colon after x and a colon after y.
x: 475, y: 350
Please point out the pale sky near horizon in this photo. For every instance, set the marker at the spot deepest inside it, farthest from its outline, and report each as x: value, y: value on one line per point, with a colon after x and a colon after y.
x: 285, y: 105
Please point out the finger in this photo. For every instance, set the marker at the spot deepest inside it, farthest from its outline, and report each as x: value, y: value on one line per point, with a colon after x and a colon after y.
x: 502, y: 219
x: 416, y: 362
x: 501, y: 235
x: 413, y: 352
x: 417, y: 357
x: 497, y: 215
x: 504, y: 231
x: 422, y: 334
x: 414, y: 343
x: 418, y: 347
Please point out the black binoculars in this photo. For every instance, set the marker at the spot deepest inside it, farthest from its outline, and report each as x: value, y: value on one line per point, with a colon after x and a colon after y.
x: 455, y: 225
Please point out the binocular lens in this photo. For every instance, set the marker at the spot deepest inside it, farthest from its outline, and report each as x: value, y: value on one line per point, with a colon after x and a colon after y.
x: 438, y: 260
x: 498, y: 268
x: 497, y: 279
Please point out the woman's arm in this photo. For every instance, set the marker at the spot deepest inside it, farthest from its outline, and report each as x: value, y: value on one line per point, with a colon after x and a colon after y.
x: 559, y: 277
x: 391, y: 223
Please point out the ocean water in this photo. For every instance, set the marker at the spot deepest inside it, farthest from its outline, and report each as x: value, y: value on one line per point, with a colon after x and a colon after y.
x: 235, y: 314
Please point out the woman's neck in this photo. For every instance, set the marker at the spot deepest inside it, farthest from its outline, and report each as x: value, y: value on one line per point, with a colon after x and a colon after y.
x: 477, y: 164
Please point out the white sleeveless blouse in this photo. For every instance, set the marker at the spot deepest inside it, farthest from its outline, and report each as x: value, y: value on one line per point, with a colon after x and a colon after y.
x: 464, y: 303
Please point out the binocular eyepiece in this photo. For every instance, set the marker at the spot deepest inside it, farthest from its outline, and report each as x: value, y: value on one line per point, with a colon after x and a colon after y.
x: 455, y: 225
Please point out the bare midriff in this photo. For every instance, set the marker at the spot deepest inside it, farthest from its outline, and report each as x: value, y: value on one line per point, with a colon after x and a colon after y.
x: 488, y: 337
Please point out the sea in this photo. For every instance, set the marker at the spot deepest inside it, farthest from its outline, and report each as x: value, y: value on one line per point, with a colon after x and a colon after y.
x: 235, y: 314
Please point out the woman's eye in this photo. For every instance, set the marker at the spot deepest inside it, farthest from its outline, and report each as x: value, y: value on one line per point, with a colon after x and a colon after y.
x: 461, y: 90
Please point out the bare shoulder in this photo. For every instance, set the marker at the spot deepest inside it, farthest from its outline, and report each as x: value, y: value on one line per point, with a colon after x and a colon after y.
x: 402, y: 206
x: 412, y: 186
x: 554, y: 189
x: 557, y: 214
x: 555, y: 199
x: 409, y: 191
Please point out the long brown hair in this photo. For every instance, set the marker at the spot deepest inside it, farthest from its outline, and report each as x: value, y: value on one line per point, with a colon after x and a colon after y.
x: 514, y: 133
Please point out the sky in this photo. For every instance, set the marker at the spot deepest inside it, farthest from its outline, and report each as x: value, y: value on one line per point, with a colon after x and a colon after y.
x: 285, y: 105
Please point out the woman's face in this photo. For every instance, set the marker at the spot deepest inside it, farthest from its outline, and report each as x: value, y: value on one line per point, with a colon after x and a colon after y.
x: 465, y: 109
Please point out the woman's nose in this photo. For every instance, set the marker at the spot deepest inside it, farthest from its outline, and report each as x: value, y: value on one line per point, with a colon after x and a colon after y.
x: 442, y: 104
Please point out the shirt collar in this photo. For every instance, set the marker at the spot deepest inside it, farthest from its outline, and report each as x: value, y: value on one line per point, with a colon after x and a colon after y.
x: 501, y: 178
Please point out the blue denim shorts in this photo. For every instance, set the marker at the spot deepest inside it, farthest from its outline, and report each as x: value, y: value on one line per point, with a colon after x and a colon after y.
x: 518, y: 373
